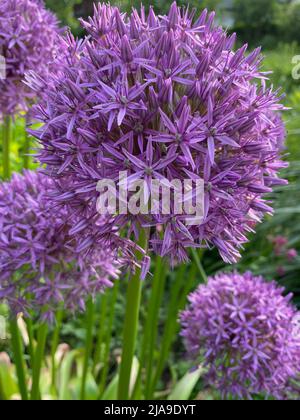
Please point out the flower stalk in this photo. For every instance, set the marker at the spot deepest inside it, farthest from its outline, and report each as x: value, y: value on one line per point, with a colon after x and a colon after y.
x: 101, y: 332
x: 112, y: 307
x: 90, y: 316
x: 152, y: 321
x: 17, y: 348
x: 133, y: 301
x: 180, y: 290
x: 38, y: 361
x: 27, y: 144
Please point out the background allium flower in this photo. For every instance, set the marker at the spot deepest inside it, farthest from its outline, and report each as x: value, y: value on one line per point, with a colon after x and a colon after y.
x: 292, y: 254
x: 39, y: 267
x: 165, y: 97
x: 28, y: 41
x: 243, y: 328
x: 280, y: 244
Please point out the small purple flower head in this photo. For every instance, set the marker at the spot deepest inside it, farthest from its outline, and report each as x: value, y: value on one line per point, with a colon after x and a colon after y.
x: 39, y: 266
x: 28, y: 42
x: 280, y: 244
x: 164, y: 98
x: 244, y: 330
x: 292, y: 254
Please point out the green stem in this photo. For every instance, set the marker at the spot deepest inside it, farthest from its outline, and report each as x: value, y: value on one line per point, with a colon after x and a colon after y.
x: 38, y: 361
x: 54, y: 345
x: 3, y: 396
x: 133, y: 301
x: 199, y: 265
x: 26, y: 162
x: 112, y: 308
x: 101, y: 331
x: 144, y: 360
x: 17, y: 348
x: 152, y: 321
x: 88, y: 346
x: 31, y: 340
x: 6, y: 147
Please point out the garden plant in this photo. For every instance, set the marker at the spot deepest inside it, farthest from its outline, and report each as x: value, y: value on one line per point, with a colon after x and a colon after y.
x: 148, y: 204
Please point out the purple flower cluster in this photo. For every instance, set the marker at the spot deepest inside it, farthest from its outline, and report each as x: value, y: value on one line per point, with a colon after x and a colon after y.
x: 164, y: 97
x: 28, y: 41
x: 245, y: 330
x: 39, y: 266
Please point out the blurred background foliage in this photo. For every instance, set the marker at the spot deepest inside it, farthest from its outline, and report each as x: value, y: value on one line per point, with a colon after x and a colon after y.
x: 264, y: 22
x: 275, y: 25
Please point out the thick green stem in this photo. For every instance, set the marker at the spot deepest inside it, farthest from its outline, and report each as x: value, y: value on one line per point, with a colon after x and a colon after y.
x: 31, y: 340
x: 26, y: 162
x: 198, y: 262
x: 133, y: 301
x: 38, y: 361
x: 6, y: 147
x: 112, y: 307
x: 149, y: 334
x: 101, y: 331
x: 18, y: 353
x: 54, y: 345
x: 152, y: 321
x: 88, y: 345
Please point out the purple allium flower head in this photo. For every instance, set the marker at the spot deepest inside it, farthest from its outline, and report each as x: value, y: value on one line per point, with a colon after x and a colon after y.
x: 164, y: 97
x: 28, y: 42
x: 245, y: 331
x: 39, y: 267
x: 280, y: 244
x: 292, y: 254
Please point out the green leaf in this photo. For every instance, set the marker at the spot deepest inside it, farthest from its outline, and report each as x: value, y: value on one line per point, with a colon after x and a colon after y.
x: 184, y: 388
x: 8, y: 386
x: 65, y: 376
x: 111, y: 392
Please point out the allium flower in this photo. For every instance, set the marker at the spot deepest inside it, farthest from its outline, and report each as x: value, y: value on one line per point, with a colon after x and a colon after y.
x: 39, y: 268
x: 164, y: 97
x: 244, y: 329
x: 292, y: 254
x: 28, y: 42
x: 280, y: 244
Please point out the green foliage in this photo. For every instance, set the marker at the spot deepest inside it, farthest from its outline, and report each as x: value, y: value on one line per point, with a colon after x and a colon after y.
x: 259, y: 255
x: 288, y: 21
x: 65, y: 10
x: 184, y: 388
x: 258, y: 22
x: 293, y: 125
x: 69, y: 10
x: 266, y: 22
x: 279, y: 61
x: 17, y: 146
x: 254, y: 19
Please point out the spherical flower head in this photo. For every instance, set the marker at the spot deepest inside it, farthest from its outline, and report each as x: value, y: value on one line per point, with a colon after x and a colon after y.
x: 28, y: 42
x: 292, y: 254
x: 39, y: 266
x: 164, y: 98
x: 245, y: 331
